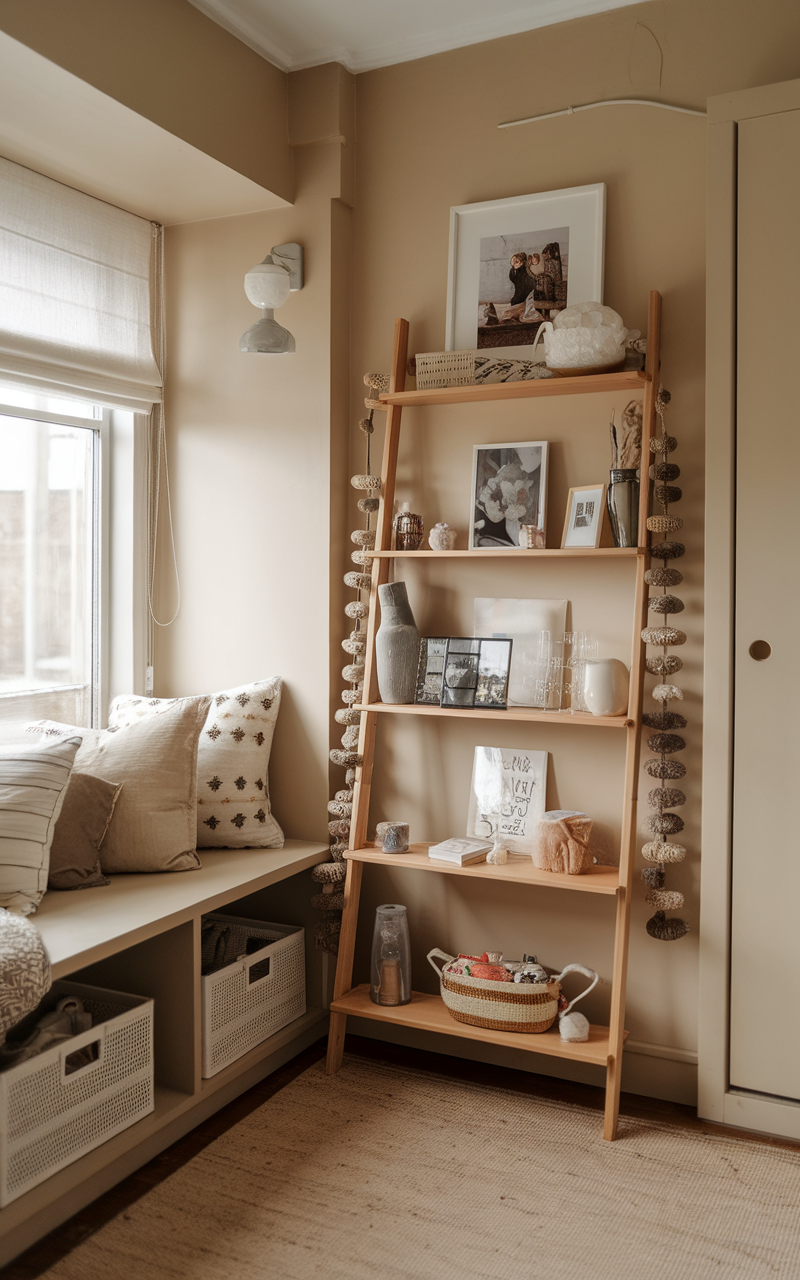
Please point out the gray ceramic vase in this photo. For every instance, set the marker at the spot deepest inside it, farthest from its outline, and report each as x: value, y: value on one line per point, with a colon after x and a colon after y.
x: 396, y: 645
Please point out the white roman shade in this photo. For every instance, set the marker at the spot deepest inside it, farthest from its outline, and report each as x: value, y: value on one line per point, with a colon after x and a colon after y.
x: 79, y: 285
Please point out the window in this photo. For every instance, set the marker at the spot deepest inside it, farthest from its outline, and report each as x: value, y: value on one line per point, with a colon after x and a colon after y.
x: 51, y: 558
x: 72, y: 515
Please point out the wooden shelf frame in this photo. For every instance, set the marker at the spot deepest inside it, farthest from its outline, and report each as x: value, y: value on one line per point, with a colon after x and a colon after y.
x: 518, y: 870
x: 629, y: 380
x: 578, y: 719
x: 516, y: 553
x: 428, y: 1012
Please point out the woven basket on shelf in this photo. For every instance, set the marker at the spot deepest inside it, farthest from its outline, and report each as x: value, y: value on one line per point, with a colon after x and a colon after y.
x: 498, y: 1006
x: 445, y: 369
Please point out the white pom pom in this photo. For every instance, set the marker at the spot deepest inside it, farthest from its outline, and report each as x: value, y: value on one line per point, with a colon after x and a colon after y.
x: 574, y: 1027
x: 663, y: 692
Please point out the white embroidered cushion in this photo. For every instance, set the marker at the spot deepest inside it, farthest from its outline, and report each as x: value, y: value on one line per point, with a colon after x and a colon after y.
x: 33, y: 783
x: 233, y: 805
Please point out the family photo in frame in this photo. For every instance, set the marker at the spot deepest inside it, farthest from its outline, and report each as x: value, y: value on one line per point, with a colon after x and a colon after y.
x: 516, y: 263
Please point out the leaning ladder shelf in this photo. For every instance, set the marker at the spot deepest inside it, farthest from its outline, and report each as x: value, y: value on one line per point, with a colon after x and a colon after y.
x: 427, y: 1012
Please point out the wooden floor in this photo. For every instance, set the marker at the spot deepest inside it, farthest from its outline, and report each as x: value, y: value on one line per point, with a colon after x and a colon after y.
x: 48, y: 1251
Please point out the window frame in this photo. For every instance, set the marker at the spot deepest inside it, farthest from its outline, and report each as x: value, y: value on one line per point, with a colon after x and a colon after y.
x: 119, y: 540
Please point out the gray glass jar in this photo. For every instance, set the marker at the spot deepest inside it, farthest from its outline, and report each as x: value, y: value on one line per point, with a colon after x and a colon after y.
x: 390, y: 976
x: 622, y: 501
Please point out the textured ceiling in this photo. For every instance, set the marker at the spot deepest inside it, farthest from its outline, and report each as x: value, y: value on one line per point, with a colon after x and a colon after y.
x: 363, y: 34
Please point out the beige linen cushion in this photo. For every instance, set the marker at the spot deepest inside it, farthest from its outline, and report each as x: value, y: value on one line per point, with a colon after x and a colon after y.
x: 154, y: 822
x: 85, y: 817
x: 33, y: 783
x: 233, y: 804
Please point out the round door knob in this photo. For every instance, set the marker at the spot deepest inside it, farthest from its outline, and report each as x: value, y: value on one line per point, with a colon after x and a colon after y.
x: 760, y: 650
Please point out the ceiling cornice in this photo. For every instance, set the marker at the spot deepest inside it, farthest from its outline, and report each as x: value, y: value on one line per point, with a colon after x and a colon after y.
x: 422, y: 44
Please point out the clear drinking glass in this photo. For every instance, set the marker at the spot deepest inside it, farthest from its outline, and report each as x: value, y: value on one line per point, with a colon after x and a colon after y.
x: 390, y: 978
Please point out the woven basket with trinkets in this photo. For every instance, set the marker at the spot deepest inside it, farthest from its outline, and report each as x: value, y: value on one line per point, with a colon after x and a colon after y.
x: 509, y: 995
x: 474, y: 992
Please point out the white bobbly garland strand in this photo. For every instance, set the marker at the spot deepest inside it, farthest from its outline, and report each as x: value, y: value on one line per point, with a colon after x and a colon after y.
x: 331, y: 875
x: 660, y: 853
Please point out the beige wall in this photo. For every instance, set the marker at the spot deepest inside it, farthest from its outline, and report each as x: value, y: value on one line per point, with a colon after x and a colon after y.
x: 170, y: 63
x: 254, y: 441
x: 433, y: 124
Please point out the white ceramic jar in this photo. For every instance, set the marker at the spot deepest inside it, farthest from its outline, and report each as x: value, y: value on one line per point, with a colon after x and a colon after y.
x: 605, y: 686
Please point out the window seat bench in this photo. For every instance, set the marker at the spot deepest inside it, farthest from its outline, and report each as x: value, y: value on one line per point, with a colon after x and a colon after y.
x: 141, y: 934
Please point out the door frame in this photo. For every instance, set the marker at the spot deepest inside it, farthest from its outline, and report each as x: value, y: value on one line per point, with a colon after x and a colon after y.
x: 716, y: 1100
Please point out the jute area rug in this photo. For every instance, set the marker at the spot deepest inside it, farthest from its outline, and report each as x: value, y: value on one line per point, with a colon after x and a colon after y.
x: 389, y: 1173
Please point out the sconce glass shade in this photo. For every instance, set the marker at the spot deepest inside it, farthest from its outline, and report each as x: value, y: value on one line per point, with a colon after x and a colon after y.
x: 267, y: 336
x: 267, y: 286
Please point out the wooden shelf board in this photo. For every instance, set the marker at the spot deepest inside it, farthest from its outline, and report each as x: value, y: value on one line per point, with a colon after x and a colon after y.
x: 512, y: 713
x: 518, y: 870
x: 80, y: 928
x: 428, y: 1013
x: 516, y: 553
x: 629, y: 380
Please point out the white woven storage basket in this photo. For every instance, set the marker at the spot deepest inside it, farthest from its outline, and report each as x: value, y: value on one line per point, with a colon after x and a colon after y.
x: 251, y: 999
x: 49, y: 1118
x: 500, y: 1006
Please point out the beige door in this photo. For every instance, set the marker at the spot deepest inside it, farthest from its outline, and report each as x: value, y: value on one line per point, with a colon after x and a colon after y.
x: 765, y: 926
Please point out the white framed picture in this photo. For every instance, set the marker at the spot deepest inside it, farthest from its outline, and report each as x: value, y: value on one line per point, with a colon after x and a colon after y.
x: 508, y: 791
x: 583, y: 523
x: 515, y: 263
x: 509, y: 488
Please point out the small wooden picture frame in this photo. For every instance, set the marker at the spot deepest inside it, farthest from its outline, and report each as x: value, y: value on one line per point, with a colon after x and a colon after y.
x: 586, y: 518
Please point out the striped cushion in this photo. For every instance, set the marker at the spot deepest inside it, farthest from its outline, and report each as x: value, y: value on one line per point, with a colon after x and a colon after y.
x: 33, y: 781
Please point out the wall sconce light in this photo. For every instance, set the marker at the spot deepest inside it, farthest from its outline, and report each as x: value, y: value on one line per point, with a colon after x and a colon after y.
x: 268, y: 285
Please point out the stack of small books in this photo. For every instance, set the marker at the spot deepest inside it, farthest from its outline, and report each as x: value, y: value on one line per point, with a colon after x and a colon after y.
x: 460, y: 850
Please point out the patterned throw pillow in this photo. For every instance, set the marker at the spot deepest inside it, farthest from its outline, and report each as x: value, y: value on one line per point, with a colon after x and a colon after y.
x: 24, y: 970
x: 233, y: 806
x: 33, y: 783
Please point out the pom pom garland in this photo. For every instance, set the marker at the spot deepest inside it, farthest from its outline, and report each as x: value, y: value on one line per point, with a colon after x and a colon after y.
x: 664, y: 524
x: 664, y: 798
x: 663, y: 635
x: 663, y: 577
x: 666, y: 604
x: 663, y: 692
x: 355, y: 609
x: 346, y: 715
x: 665, y: 664
x: 664, y: 720
x: 329, y: 872
x: 667, y: 551
x: 365, y: 482
x: 654, y: 877
x: 663, y: 444
x: 664, y: 471
x: 664, y: 824
x: 659, y: 851
x: 664, y: 899
x: 666, y: 930
x: 348, y: 758
x: 669, y: 770
x: 667, y: 493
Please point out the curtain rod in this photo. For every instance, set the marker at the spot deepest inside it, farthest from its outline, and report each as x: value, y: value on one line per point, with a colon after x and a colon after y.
x: 607, y: 102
